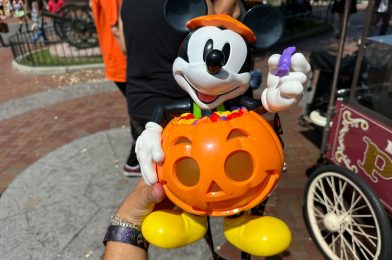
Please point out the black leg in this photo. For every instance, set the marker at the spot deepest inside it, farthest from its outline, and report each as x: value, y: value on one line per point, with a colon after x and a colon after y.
x: 210, y: 243
x: 2, y: 41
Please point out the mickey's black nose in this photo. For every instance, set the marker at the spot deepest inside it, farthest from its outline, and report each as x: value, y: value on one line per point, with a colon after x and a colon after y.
x: 215, y: 59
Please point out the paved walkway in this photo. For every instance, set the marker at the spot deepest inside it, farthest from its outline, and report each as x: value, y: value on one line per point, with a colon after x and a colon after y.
x: 63, y: 140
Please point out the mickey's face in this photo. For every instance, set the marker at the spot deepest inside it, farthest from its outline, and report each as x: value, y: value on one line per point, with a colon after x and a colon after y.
x: 213, y: 66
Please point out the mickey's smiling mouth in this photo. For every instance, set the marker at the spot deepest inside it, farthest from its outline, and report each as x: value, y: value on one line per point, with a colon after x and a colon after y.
x: 206, y: 98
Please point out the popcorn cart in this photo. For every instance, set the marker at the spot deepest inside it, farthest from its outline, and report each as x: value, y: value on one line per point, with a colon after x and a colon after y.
x: 348, y: 199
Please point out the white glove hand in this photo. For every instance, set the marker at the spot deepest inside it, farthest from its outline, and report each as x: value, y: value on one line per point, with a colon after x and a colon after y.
x: 283, y: 92
x: 149, y: 151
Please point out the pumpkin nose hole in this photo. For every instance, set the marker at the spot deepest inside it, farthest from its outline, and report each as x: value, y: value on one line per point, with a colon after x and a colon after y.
x: 214, y: 187
x: 215, y: 60
x: 239, y: 166
x: 187, y: 171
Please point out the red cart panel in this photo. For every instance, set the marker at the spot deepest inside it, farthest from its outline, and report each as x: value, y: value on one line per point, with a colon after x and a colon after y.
x: 364, y: 146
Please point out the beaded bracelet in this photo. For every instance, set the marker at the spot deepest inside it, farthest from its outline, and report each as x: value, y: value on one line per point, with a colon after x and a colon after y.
x: 124, y: 232
x: 116, y: 221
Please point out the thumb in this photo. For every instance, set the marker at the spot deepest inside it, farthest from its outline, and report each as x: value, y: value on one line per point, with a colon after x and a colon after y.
x: 140, y: 202
x: 153, y: 194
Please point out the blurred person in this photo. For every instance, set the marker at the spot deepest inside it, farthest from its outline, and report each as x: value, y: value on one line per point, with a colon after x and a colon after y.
x: 9, y: 9
x: 38, y: 23
x: 128, y: 219
x: 3, y: 29
x: 381, y: 12
x: 229, y: 7
x: 106, y: 17
x: 55, y: 5
x: 338, y: 7
x: 1, y: 8
x: 19, y: 8
x: 151, y: 47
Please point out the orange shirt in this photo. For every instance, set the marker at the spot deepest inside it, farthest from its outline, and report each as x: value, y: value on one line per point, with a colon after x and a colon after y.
x: 106, y: 14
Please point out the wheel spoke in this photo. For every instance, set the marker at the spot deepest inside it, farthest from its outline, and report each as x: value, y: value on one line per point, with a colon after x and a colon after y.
x: 361, y: 245
x: 363, y: 232
x: 360, y: 207
x: 365, y: 226
x: 352, y: 241
x: 342, y: 188
x: 318, y: 199
x: 365, y: 235
x: 337, y: 195
x: 323, y: 202
x: 355, y: 202
x: 362, y: 216
x: 327, y: 235
x: 318, y: 213
x: 333, y: 244
x: 351, y: 247
x: 334, y: 239
x: 325, y: 197
x: 352, y: 201
x: 331, y: 182
x: 342, y: 245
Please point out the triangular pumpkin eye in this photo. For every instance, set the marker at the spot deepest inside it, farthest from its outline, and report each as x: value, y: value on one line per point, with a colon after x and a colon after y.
x: 236, y: 133
x: 183, y: 140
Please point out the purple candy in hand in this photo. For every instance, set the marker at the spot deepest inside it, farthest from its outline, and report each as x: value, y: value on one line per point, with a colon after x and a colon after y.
x: 284, y: 63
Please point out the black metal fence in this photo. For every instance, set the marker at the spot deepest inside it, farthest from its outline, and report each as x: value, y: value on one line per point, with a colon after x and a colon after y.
x: 50, y: 49
x: 68, y: 38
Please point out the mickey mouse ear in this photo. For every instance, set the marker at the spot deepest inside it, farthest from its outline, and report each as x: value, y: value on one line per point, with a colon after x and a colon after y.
x: 179, y: 12
x: 267, y: 23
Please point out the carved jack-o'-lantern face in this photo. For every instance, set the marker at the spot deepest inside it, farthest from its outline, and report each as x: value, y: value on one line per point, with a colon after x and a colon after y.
x: 220, y: 168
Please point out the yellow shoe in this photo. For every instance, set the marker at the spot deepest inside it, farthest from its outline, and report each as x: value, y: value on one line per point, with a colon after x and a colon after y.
x: 259, y: 236
x: 172, y: 229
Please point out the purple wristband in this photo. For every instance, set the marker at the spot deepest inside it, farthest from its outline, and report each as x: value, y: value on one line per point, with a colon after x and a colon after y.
x: 127, y: 235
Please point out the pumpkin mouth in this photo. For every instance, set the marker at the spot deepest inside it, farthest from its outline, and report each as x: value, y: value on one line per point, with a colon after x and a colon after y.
x: 207, y: 98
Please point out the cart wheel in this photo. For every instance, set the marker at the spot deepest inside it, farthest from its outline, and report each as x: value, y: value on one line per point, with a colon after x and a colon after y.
x: 58, y: 23
x: 57, y: 28
x: 78, y: 27
x: 344, y: 217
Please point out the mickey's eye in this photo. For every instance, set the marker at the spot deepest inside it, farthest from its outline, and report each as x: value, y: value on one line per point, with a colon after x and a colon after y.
x: 207, y: 48
x: 226, y: 52
x: 230, y: 45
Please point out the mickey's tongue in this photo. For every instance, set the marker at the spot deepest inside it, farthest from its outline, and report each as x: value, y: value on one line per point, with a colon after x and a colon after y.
x: 205, y: 98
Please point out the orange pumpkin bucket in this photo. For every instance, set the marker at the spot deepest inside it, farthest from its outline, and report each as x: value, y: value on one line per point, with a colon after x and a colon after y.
x: 220, y: 167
